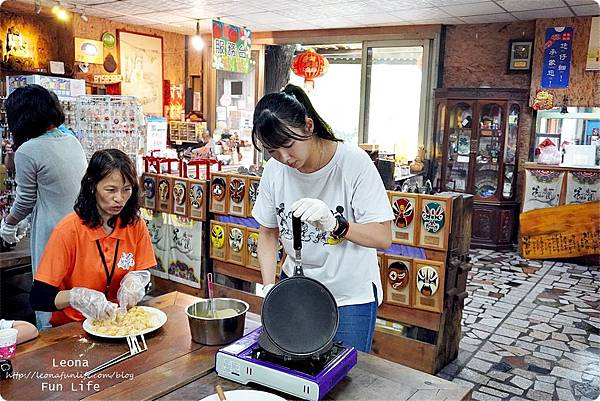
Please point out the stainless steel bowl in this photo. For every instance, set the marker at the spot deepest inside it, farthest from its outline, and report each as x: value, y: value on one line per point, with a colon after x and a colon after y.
x: 216, y: 331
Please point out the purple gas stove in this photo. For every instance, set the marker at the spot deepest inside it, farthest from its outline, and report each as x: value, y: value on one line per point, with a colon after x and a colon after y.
x: 244, y: 361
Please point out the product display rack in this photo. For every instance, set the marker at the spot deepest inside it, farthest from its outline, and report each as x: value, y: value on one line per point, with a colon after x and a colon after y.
x: 110, y: 122
x: 475, y: 151
x: 434, y: 251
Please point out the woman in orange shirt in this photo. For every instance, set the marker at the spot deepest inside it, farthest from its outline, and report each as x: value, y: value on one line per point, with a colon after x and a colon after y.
x: 99, y: 253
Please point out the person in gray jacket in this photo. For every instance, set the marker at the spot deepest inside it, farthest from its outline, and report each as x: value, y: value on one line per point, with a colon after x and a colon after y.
x: 49, y: 165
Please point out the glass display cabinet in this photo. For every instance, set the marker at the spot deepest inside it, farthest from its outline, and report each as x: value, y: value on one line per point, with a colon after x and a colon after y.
x: 475, y: 151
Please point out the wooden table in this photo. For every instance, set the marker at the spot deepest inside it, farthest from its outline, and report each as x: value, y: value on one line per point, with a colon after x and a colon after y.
x: 174, y: 367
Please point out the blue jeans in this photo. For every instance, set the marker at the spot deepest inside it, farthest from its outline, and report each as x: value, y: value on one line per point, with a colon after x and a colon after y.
x: 356, y: 323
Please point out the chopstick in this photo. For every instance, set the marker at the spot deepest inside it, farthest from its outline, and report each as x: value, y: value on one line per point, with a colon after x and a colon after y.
x: 111, y: 362
x: 220, y: 393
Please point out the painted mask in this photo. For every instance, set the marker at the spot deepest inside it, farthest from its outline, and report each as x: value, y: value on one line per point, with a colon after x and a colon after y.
x: 149, y: 187
x: 218, y: 188
x: 403, y: 212
x: 253, y: 244
x: 428, y: 281
x: 398, y: 275
x: 196, y: 195
x: 236, y: 239
x: 433, y: 217
x: 179, y: 193
x: 217, y: 236
x: 237, y: 188
x: 163, y: 190
x: 253, y: 192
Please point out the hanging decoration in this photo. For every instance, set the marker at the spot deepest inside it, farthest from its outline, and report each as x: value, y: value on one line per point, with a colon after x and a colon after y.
x: 558, y: 45
x: 544, y: 100
x: 309, y: 65
x: 231, y: 50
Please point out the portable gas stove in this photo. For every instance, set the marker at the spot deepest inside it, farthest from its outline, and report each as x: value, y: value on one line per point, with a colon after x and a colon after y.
x: 245, y: 361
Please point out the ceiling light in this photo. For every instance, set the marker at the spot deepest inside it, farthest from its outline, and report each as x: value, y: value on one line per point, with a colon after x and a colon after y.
x: 84, y: 17
x: 197, y: 42
x: 60, y: 12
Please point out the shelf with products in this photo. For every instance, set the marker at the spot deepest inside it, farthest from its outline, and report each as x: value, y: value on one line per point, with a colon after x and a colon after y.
x: 481, y: 160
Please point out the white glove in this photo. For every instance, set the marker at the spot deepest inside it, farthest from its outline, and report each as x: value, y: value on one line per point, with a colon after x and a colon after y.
x: 133, y: 288
x: 314, y: 212
x: 92, y: 304
x: 8, y: 232
x: 22, y: 227
x: 265, y: 290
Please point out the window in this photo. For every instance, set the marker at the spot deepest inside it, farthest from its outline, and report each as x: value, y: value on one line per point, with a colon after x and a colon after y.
x: 375, y: 92
x: 336, y: 94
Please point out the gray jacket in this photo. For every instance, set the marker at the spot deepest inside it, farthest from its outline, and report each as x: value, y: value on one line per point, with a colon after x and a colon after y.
x: 48, y: 172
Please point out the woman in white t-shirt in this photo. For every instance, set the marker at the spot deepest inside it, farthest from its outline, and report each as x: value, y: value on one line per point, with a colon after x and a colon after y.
x: 336, y: 191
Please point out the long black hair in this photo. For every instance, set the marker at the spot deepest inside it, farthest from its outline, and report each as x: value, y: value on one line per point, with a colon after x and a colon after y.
x: 102, y: 164
x: 277, y: 112
x: 30, y: 111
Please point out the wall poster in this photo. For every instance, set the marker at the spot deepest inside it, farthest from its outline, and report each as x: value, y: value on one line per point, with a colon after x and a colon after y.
x: 542, y: 189
x: 558, y: 44
x: 582, y: 187
x: 593, y: 53
x: 142, y: 69
x: 231, y: 48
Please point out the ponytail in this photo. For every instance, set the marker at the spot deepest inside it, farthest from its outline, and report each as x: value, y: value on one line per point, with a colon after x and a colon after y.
x: 276, y: 113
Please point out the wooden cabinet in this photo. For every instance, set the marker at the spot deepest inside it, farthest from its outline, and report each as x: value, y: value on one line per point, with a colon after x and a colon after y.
x: 476, y: 151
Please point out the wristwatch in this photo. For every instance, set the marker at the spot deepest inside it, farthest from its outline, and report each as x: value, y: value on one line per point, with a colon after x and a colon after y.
x: 341, y: 228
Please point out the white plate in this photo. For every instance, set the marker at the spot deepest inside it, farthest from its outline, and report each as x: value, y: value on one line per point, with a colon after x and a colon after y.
x: 158, y: 314
x: 246, y: 395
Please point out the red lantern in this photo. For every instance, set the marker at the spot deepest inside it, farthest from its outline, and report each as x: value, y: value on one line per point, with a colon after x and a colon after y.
x: 309, y: 65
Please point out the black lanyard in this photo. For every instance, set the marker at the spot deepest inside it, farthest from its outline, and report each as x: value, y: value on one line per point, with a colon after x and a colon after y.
x: 109, y: 276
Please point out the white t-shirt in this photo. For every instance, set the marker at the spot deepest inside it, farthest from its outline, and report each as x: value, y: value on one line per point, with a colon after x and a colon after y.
x: 349, y: 181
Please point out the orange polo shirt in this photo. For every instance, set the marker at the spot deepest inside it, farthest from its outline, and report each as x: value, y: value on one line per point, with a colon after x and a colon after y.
x: 71, y: 259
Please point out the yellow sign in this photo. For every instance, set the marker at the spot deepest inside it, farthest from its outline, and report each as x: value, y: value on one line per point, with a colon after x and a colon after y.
x: 89, y: 51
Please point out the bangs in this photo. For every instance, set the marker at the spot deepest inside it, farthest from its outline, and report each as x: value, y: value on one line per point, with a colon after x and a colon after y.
x: 269, y: 132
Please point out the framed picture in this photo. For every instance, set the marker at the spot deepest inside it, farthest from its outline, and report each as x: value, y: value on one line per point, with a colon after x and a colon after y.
x: 435, y: 222
x: 219, y: 193
x: 404, y: 226
x: 236, y: 236
x: 398, y: 277
x: 428, y: 285
x: 141, y: 63
x: 519, y: 55
x: 238, y: 192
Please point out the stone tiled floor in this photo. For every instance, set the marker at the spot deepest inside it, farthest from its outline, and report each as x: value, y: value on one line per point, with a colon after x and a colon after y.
x: 531, y: 330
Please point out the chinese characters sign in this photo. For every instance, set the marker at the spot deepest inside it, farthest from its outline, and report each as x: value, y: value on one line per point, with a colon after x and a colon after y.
x: 542, y: 189
x: 557, y: 57
x: 583, y: 186
x: 231, y: 47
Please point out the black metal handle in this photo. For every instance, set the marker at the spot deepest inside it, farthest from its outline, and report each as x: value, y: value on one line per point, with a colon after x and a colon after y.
x: 296, y: 232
